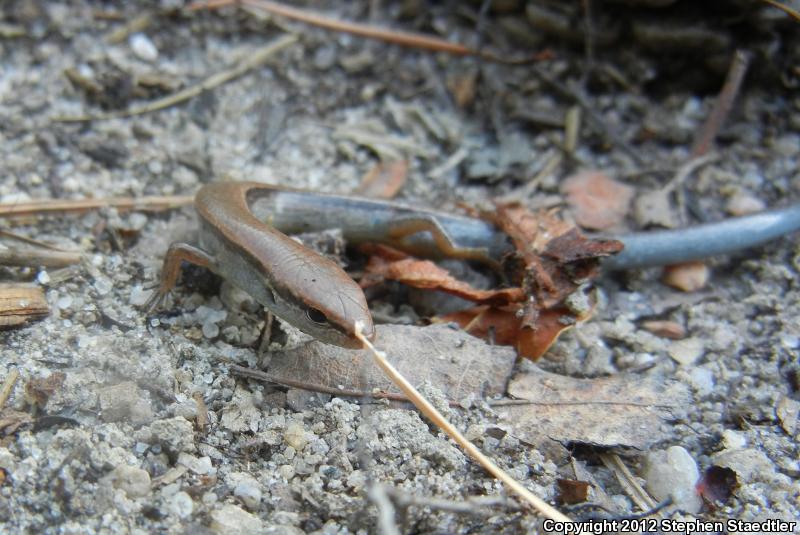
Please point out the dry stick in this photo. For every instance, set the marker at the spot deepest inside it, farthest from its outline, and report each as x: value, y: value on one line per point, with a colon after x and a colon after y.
x: 408, y: 39
x: 267, y: 378
x: 8, y: 386
x: 628, y: 482
x: 251, y: 62
x: 786, y: 9
x: 58, y: 206
x: 722, y: 108
x: 38, y: 257
x: 436, y: 417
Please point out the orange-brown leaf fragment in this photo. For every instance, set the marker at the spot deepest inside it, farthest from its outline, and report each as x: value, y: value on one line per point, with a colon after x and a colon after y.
x: 427, y: 275
x: 505, y: 326
x: 597, y: 201
x: 384, y: 180
x: 665, y: 329
x: 572, y: 491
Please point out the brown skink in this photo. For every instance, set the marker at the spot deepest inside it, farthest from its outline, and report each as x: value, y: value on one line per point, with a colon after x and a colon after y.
x: 242, y: 239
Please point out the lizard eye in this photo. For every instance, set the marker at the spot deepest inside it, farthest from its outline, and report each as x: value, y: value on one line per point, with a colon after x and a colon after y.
x: 317, y: 316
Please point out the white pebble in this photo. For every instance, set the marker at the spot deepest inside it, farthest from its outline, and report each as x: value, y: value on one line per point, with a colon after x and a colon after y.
x: 103, y: 285
x: 199, y: 465
x: 42, y: 277
x: 249, y: 493
x: 139, y: 295
x: 181, y: 505
x: 232, y: 519
x: 702, y: 379
x: 673, y: 473
x: 131, y: 479
x: 143, y: 47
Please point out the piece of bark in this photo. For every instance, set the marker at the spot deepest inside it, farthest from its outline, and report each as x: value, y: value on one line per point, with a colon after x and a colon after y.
x: 458, y: 364
x: 21, y: 303
x: 627, y: 411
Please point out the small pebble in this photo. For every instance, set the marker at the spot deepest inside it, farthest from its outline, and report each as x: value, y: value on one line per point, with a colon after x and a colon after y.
x: 42, y: 277
x: 233, y: 520
x: 139, y: 295
x: 295, y: 436
x: 702, y: 379
x: 143, y: 47
x: 286, y: 471
x: 673, y: 473
x: 103, y: 285
x: 181, y: 505
x: 249, y: 492
x: 687, y: 351
x: 665, y: 329
x: 687, y: 277
x: 733, y: 440
x: 199, y: 465
x: 131, y: 479
x: 743, y: 204
x: 597, y: 201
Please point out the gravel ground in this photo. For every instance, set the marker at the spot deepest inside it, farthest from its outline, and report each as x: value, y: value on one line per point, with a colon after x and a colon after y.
x: 112, y: 442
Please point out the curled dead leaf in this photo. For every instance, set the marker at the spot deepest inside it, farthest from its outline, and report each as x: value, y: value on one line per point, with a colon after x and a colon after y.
x: 716, y: 486
x: 427, y: 275
x: 384, y: 180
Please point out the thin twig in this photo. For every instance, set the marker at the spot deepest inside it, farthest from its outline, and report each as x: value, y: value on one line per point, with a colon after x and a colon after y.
x: 30, y: 241
x: 628, y: 482
x: 595, y: 121
x: 786, y: 9
x: 292, y: 383
x: 252, y: 61
x: 39, y: 258
x: 722, y: 107
x: 386, y: 514
x: 397, y: 37
x: 58, y: 206
x: 8, y: 386
x: 427, y: 409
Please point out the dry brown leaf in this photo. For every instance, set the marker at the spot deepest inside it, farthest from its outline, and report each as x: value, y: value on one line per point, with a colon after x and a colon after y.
x: 452, y: 361
x: 551, y: 262
x: 504, y: 326
x: 597, y: 201
x: 687, y: 277
x: 384, y: 180
x: 427, y: 275
x: 555, y: 256
x: 629, y: 411
x: 39, y: 390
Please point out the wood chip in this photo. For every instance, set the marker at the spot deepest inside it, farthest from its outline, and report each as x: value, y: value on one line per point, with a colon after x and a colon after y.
x: 21, y: 303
